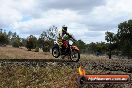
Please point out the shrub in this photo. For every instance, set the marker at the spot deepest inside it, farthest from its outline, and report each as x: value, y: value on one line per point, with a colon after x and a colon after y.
x: 31, y: 42
x: 16, y: 43
x: 46, y: 46
x: 37, y: 49
x: 3, y: 39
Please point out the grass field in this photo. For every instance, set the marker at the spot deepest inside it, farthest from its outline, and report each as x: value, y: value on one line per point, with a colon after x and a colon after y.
x: 21, y: 53
x: 57, y: 74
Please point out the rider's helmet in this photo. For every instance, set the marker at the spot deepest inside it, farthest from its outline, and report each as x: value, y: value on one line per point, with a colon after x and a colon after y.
x: 64, y: 28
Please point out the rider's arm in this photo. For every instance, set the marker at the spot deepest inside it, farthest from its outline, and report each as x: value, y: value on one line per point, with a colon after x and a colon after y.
x: 69, y: 35
x: 73, y: 39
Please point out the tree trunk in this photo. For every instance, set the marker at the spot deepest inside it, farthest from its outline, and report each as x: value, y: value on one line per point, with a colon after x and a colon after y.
x: 110, y: 50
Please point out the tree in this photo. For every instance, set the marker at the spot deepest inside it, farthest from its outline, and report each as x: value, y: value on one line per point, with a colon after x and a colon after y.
x: 110, y: 37
x: 23, y: 41
x: 3, y: 37
x: 16, y: 43
x: 91, y: 47
x: 47, y: 38
x: 32, y: 42
x: 124, y: 36
x: 50, y: 34
x: 81, y: 45
x: 15, y: 40
x: 10, y: 37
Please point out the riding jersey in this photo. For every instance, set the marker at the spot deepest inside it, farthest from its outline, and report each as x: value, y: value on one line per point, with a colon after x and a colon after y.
x: 62, y: 36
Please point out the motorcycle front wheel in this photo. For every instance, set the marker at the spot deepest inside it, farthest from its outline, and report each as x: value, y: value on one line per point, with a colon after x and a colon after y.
x: 55, y: 52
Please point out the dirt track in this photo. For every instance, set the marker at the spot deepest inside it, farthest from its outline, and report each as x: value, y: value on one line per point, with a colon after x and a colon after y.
x: 56, y: 75
x: 22, y: 53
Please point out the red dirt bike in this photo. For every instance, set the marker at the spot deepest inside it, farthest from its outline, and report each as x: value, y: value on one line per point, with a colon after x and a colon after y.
x: 72, y: 51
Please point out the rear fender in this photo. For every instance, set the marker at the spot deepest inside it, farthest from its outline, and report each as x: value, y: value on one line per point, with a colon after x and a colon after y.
x: 75, y: 48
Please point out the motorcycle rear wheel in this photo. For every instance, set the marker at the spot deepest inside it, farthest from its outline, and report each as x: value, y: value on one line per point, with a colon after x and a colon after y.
x: 75, y: 55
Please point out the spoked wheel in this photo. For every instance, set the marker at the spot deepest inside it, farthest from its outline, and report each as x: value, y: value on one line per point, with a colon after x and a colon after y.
x: 75, y: 55
x: 55, y: 52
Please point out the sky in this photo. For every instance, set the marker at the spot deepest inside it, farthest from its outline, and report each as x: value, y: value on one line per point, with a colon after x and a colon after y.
x: 87, y: 20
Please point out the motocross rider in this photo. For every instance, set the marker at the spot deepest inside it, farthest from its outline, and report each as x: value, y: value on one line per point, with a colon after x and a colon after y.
x: 63, y: 38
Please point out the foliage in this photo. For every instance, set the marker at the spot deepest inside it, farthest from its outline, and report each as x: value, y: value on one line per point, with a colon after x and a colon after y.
x: 122, y: 41
x: 15, y: 40
x: 23, y: 41
x: 81, y: 45
x: 97, y: 47
x: 31, y: 42
x: 110, y: 37
x: 47, y: 38
x: 37, y: 49
x: 16, y: 43
x: 3, y: 37
x: 124, y: 36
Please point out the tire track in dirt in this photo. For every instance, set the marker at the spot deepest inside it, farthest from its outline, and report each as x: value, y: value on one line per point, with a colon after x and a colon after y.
x: 21, y: 55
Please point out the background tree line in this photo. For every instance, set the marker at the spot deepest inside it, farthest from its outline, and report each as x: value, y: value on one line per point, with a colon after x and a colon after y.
x: 117, y: 44
x: 121, y: 42
x: 45, y: 40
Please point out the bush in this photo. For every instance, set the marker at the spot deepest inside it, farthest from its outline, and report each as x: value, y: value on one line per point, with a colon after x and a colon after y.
x: 37, y: 49
x: 3, y: 39
x: 46, y: 46
x: 29, y: 45
x: 16, y: 43
x: 31, y: 42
